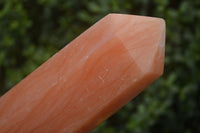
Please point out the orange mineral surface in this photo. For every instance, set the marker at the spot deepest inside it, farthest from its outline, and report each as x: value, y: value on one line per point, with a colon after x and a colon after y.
x: 89, y: 79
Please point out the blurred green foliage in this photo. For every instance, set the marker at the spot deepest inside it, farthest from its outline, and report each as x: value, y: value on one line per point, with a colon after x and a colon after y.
x: 32, y: 31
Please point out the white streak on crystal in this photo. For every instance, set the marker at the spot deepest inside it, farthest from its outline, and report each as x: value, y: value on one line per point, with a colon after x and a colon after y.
x: 134, y: 80
x: 101, y: 78
x: 53, y: 84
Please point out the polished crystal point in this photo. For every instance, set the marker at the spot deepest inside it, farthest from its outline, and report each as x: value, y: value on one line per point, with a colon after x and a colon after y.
x: 89, y: 79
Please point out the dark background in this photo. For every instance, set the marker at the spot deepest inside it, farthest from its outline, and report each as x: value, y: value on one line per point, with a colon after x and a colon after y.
x: 31, y: 31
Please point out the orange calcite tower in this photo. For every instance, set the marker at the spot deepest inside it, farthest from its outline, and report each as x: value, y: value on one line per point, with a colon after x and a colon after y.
x: 89, y: 79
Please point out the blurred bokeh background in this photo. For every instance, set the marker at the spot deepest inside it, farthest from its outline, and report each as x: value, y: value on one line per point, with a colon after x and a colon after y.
x: 31, y: 31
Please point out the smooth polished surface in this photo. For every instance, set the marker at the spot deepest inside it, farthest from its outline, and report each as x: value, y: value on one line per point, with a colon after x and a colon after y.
x: 89, y: 79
